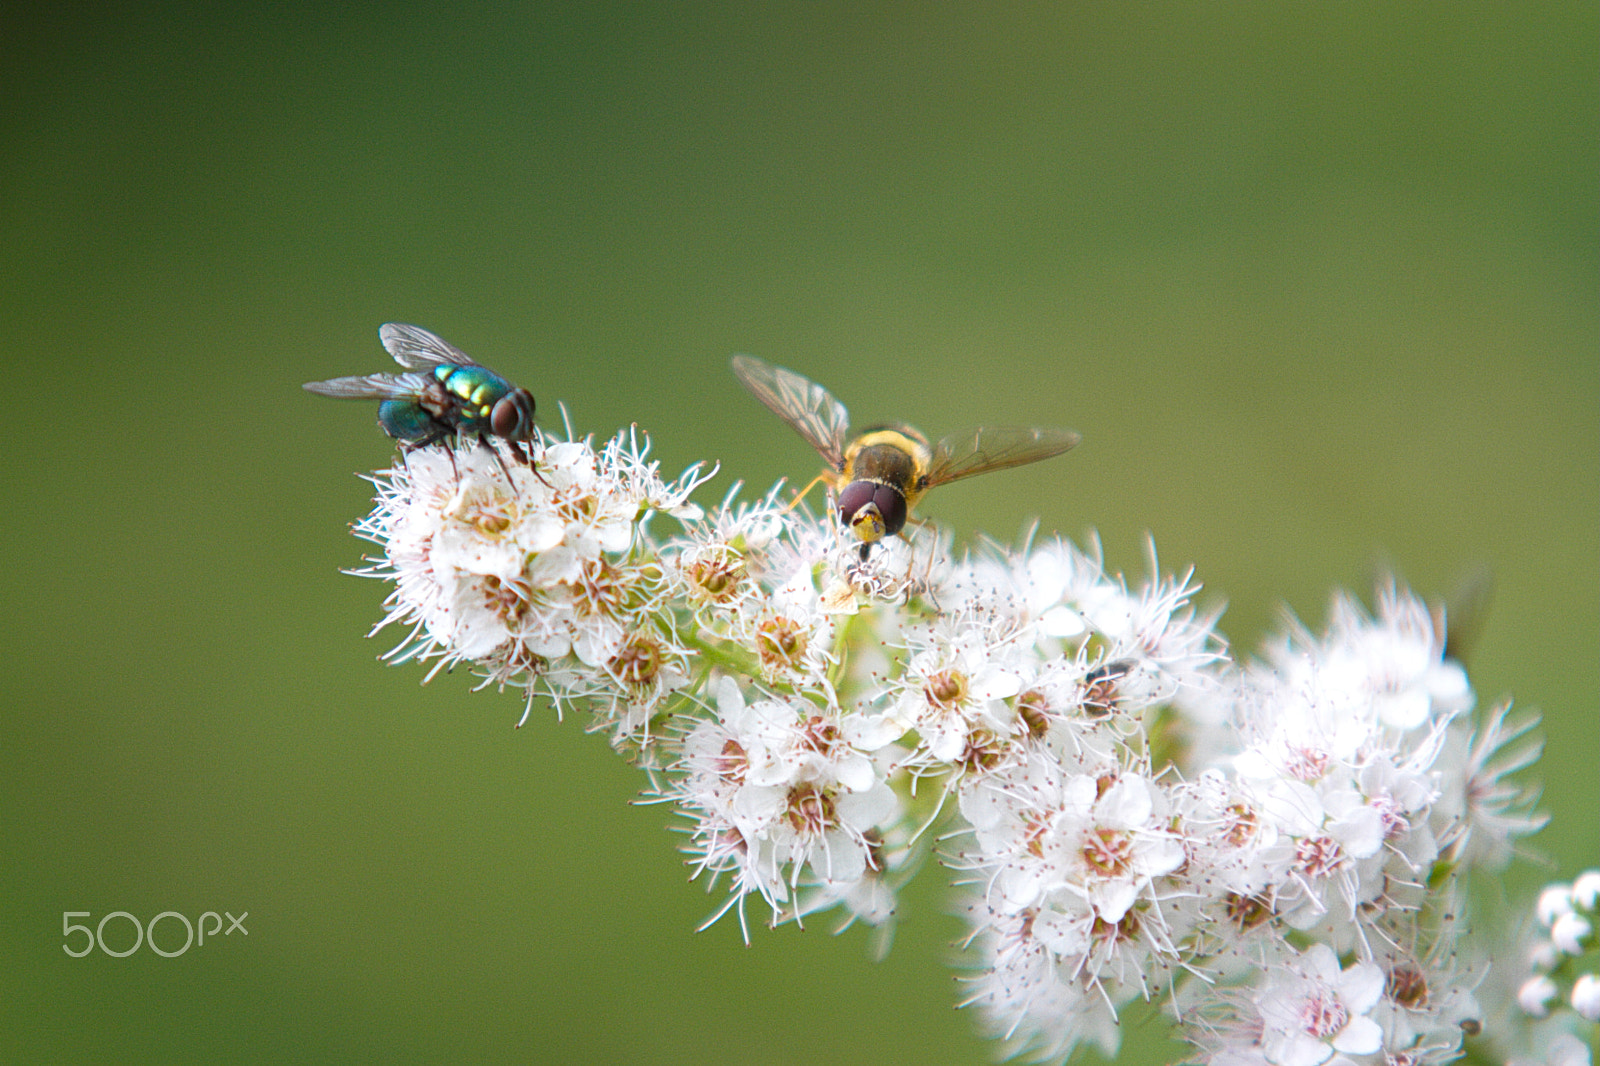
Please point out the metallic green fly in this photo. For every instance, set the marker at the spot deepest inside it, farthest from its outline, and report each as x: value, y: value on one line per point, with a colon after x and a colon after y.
x: 444, y: 394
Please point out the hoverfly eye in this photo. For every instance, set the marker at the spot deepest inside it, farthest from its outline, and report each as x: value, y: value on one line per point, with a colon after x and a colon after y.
x: 892, y: 505
x: 853, y: 498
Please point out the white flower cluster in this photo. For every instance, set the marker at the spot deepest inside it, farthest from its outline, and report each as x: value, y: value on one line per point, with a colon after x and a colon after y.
x: 777, y: 793
x: 534, y: 574
x: 1308, y: 826
x: 1272, y: 849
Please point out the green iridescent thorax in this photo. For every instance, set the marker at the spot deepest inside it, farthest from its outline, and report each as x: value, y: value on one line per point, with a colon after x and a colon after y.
x: 475, y: 387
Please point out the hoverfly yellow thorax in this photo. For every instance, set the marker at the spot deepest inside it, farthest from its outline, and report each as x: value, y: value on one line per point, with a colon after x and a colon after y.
x: 891, y: 455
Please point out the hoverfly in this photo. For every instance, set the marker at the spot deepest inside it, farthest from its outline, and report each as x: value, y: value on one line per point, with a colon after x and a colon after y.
x: 445, y: 393
x: 879, y: 476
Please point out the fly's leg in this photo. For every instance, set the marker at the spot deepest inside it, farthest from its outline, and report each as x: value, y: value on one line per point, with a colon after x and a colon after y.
x: 825, y: 477
x: 527, y: 458
x: 440, y: 432
x: 500, y: 461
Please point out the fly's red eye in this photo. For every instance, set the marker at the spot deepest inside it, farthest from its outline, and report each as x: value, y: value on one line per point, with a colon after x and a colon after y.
x: 892, y: 505
x: 852, y: 498
x: 512, y: 417
x: 885, y: 505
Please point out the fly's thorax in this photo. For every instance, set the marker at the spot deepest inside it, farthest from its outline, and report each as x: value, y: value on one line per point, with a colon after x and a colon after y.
x: 474, y: 386
x: 892, y: 455
x: 475, y: 390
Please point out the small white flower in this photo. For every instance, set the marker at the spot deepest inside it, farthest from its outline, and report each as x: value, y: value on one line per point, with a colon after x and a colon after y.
x: 777, y: 792
x: 1310, y: 1009
x: 1534, y: 995
x: 1586, y: 890
x: 790, y: 631
x: 1086, y: 845
x: 1040, y: 1006
x: 1481, y: 812
x: 1365, y: 676
x: 1586, y: 996
x: 1569, y: 931
x: 956, y: 682
x: 1554, y: 901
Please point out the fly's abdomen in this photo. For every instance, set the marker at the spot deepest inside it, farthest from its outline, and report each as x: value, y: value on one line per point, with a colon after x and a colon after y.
x: 406, y: 420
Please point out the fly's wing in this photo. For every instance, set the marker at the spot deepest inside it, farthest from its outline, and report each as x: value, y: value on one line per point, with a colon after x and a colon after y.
x: 371, y: 387
x: 416, y: 349
x: 810, y: 409
x: 994, y: 449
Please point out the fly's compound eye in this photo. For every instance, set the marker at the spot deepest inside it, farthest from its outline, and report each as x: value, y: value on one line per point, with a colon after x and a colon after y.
x: 512, y: 417
x: 892, y: 505
x: 853, y: 497
x: 874, y: 511
x: 855, y: 507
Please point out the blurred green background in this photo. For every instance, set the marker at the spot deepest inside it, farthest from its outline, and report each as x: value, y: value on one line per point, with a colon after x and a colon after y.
x: 1317, y: 283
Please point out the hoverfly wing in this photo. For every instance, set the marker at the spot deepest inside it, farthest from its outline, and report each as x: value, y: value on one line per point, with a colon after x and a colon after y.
x: 416, y: 349
x: 995, y: 448
x: 810, y: 409
x: 370, y: 387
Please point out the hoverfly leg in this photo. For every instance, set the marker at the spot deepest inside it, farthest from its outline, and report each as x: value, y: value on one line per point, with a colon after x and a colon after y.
x: 822, y: 477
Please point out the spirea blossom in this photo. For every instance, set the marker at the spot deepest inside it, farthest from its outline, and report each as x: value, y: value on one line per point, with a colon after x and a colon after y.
x: 776, y: 794
x: 1311, y: 1009
x: 533, y: 573
x: 1273, y: 848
